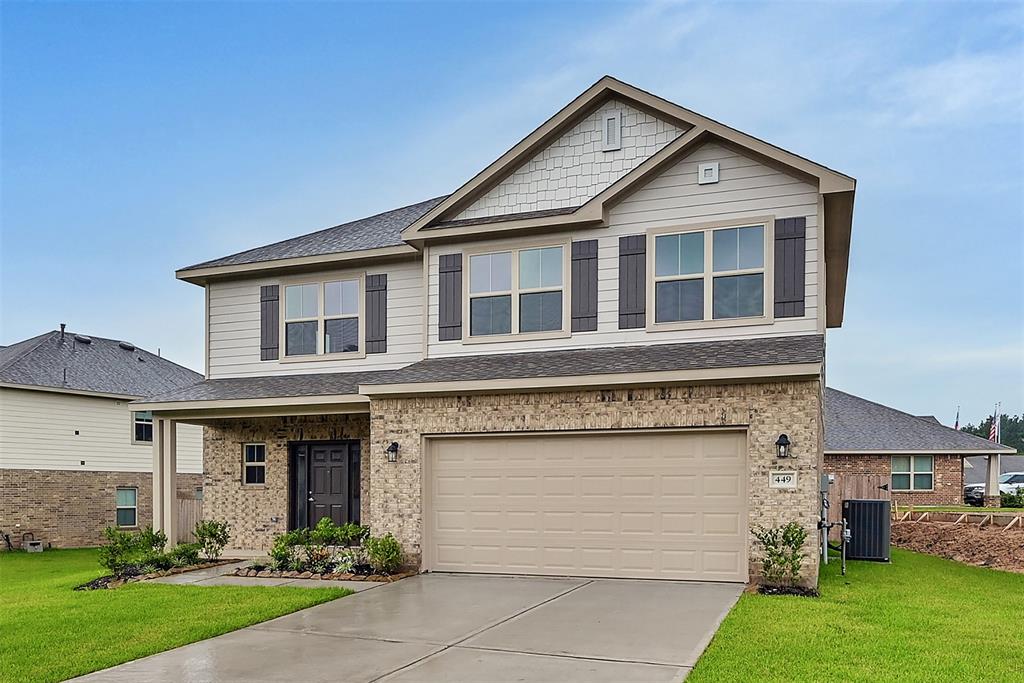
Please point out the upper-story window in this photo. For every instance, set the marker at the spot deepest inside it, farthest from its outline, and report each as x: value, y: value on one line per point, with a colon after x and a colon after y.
x: 710, y: 274
x: 322, y: 318
x: 142, y: 426
x: 517, y: 291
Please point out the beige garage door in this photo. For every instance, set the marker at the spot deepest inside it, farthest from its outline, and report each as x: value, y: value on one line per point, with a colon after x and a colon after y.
x: 668, y: 505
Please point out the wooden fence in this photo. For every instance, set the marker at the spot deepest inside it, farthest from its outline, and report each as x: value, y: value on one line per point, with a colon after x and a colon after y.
x: 855, y: 487
x: 190, y: 511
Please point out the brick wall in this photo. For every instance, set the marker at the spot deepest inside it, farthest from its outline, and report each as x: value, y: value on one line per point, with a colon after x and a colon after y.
x: 766, y: 409
x: 948, y: 481
x: 258, y: 512
x: 70, y: 509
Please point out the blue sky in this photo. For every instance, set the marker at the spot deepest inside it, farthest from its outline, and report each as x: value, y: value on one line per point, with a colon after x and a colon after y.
x: 138, y: 138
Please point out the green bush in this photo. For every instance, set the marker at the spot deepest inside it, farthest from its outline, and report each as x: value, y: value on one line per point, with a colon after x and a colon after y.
x: 319, y: 558
x: 324, y: 533
x: 284, y: 553
x: 384, y: 553
x: 351, y: 534
x: 127, y: 554
x: 1012, y: 500
x: 212, y: 536
x: 185, y: 554
x: 783, y: 553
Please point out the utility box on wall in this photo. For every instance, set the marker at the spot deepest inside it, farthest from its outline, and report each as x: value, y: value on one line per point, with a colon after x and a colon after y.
x: 870, y: 525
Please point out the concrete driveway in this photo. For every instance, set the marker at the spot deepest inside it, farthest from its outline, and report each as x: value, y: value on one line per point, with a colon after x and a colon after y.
x: 469, y: 628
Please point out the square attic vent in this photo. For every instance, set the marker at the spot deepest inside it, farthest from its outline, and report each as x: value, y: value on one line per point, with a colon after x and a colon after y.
x: 707, y: 173
x: 611, y: 132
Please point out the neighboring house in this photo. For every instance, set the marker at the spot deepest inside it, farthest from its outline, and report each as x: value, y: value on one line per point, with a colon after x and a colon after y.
x: 975, y: 469
x: 75, y: 458
x: 579, y: 362
x: 922, y: 459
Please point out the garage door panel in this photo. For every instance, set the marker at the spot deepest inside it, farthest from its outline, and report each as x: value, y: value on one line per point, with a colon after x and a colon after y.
x: 646, y: 505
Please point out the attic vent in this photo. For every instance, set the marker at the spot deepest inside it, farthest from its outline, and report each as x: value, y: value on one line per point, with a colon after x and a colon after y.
x: 611, y: 132
x: 126, y: 346
x: 81, y: 338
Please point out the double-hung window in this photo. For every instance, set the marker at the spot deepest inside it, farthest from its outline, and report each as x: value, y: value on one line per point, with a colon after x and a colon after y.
x: 913, y: 473
x: 142, y: 426
x: 322, y: 318
x: 127, y: 507
x: 710, y: 274
x: 517, y: 291
x: 254, y: 463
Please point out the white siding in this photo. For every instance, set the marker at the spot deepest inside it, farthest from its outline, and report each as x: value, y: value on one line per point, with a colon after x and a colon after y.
x: 573, y: 169
x: 746, y: 188
x: 37, y: 431
x: 234, y: 326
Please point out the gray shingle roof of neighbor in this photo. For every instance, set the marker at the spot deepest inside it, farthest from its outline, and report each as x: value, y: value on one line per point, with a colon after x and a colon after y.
x: 282, y: 386
x: 374, y: 232
x: 100, y: 365
x: 856, y: 424
x: 621, y: 359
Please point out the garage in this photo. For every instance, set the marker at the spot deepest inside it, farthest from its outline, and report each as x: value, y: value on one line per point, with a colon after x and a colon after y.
x: 660, y: 504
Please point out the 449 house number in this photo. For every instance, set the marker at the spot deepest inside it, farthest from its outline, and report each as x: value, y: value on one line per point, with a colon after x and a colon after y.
x: 782, y: 479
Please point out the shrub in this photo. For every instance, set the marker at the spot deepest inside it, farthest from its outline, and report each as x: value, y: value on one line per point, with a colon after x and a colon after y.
x: 212, y: 536
x: 1012, y: 500
x: 319, y: 558
x: 127, y: 554
x: 384, y: 553
x: 284, y: 552
x: 324, y: 533
x: 783, y: 553
x: 351, y: 534
x: 185, y: 554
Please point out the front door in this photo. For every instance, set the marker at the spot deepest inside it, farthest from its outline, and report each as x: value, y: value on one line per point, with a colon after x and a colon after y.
x: 325, y: 482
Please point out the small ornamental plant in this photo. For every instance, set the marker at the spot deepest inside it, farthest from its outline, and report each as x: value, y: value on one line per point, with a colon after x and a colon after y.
x: 783, y: 554
x: 212, y: 536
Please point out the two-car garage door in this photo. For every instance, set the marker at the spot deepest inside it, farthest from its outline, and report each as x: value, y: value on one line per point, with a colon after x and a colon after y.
x: 643, y: 504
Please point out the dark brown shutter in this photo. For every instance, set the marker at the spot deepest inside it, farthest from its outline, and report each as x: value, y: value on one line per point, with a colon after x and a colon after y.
x: 632, y: 281
x: 270, y: 312
x: 790, y: 247
x: 584, y: 286
x: 449, y: 314
x: 376, y: 313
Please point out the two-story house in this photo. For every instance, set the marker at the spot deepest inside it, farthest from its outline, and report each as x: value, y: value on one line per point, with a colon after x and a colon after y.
x: 601, y: 356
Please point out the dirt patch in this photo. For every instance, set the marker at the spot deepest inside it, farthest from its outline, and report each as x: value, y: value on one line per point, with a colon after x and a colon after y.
x: 981, y: 546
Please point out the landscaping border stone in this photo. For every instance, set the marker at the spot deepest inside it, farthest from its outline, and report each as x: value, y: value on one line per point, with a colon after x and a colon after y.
x: 333, y: 576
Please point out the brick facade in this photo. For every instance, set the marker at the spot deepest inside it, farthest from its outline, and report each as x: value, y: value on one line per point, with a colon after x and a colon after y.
x: 948, y: 482
x: 70, y: 509
x: 258, y: 512
x: 764, y: 409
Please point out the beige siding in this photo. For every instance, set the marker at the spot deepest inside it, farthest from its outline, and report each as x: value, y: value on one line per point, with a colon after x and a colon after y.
x: 573, y: 168
x: 746, y: 189
x: 234, y: 326
x: 37, y: 431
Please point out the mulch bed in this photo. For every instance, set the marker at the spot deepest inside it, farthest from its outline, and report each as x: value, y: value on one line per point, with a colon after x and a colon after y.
x: 987, y: 546
x: 789, y: 590
x: 271, y: 574
x: 111, y: 581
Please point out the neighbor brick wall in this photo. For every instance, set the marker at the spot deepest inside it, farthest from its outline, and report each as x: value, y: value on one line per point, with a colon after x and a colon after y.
x: 948, y: 481
x: 70, y: 509
x: 258, y: 513
x: 765, y: 409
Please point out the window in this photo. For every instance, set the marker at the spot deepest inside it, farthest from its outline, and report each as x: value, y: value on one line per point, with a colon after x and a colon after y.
x: 142, y: 426
x: 255, y: 463
x: 518, y: 291
x: 127, y: 507
x: 337, y: 319
x: 686, y: 289
x: 912, y: 473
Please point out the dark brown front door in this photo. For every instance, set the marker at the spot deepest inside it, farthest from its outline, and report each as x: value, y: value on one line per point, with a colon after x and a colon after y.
x: 325, y: 478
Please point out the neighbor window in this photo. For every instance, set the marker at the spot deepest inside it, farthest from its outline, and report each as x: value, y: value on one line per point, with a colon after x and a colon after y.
x: 127, y: 507
x: 306, y: 321
x: 912, y: 473
x: 255, y: 463
x: 712, y: 274
x: 142, y: 426
x: 516, y: 291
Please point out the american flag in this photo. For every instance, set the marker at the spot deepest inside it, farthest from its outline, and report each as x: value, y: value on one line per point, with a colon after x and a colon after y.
x: 993, y: 431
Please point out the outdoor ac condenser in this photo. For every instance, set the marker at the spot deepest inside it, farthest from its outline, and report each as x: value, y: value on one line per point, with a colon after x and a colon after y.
x: 870, y: 526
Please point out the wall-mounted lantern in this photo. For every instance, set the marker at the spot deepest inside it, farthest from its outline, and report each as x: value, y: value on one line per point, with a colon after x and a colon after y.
x: 782, y: 446
x: 392, y: 451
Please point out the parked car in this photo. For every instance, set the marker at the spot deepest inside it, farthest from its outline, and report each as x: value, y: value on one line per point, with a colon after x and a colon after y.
x: 1010, y: 482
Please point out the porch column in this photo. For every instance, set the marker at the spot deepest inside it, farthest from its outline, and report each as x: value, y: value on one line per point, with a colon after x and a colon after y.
x: 165, y: 479
x: 159, y: 451
x: 991, y: 499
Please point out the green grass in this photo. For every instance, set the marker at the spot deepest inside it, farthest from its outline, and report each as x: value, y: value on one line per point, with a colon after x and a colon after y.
x: 921, y: 618
x: 48, y: 632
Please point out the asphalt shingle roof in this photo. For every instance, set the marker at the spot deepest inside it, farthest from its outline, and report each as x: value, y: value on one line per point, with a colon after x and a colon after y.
x: 102, y: 365
x: 281, y: 386
x: 374, y: 232
x: 856, y: 424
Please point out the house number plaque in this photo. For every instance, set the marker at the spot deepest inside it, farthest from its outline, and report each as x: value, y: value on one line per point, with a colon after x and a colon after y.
x: 782, y: 479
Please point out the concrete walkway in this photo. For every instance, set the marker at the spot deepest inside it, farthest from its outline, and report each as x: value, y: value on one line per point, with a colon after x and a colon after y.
x: 221, y: 576
x: 468, y: 628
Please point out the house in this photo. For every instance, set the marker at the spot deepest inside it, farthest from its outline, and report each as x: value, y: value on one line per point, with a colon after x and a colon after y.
x: 75, y: 457
x: 922, y: 460
x: 581, y: 362
x: 975, y: 468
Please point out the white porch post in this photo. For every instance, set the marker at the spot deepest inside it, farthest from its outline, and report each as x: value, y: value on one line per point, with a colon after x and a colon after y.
x: 992, y: 481
x: 159, y: 451
x: 170, y: 484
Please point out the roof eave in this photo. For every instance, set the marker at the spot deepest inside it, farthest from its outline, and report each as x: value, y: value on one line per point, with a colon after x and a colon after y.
x: 68, y: 390
x: 1003, y: 450
x: 838, y: 209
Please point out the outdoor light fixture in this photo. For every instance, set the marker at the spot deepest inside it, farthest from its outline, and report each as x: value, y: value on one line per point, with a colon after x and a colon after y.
x: 392, y: 451
x: 782, y: 446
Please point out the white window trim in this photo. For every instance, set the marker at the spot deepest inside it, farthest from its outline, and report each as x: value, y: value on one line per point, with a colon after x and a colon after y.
x: 709, y: 274
x: 320, y: 317
x: 615, y: 116
x: 246, y: 464
x: 136, y: 442
x: 127, y: 507
x: 912, y: 489
x: 516, y: 247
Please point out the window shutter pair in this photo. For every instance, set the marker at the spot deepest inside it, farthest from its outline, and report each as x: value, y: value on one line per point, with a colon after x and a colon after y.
x: 790, y: 249
x: 376, y: 317
x: 582, y: 293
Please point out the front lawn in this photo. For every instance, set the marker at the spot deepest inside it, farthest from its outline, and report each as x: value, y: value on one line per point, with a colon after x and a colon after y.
x: 50, y: 632
x: 921, y: 618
